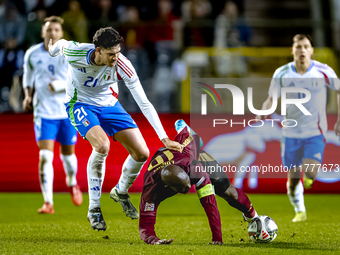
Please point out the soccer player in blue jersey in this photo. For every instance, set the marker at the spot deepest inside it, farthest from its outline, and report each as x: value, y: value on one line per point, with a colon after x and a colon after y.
x: 303, y: 145
x: 48, y: 76
x: 93, y: 107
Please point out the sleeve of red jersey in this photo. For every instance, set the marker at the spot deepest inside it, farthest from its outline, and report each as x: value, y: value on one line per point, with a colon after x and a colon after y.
x: 126, y: 72
x: 206, y: 195
x: 147, y: 220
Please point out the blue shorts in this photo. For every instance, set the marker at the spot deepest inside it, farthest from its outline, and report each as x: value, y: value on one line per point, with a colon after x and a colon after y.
x: 112, y: 119
x: 60, y: 130
x: 293, y: 151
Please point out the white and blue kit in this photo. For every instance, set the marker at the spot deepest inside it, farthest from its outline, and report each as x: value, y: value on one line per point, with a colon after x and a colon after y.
x: 50, y: 119
x: 92, y: 91
x: 306, y: 139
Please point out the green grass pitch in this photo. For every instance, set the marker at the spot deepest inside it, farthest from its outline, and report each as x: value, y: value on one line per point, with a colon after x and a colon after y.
x: 24, y: 231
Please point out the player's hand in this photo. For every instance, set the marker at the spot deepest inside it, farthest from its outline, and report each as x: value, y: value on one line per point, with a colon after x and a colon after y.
x: 50, y: 44
x: 337, y: 128
x: 27, y: 104
x: 216, y: 243
x: 51, y: 87
x: 164, y: 241
x: 172, y: 145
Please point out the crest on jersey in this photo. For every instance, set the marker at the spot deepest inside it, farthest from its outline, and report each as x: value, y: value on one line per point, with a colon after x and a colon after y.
x: 149, y: 207
x: 85, y: 122
x: 107, y: 77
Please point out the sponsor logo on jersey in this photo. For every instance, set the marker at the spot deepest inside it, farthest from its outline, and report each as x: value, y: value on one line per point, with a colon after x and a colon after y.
x: 74, y: 139
x: 317, y: 156
x: 149, y: 207
x: 85, y: 122
x: 291, y: 84
x: 39, y: 62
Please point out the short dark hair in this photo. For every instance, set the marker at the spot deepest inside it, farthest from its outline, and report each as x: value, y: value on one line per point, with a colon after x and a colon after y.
x: 54, y: 19
x: 299, y: 37
x: 107, y: 37
x: 174, y: 176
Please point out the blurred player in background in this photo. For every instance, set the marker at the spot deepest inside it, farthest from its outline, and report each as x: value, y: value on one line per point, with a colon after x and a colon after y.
x: 48, y: 77
x: 171, y: 172
x: 94, y: 109
x: 303, y: 145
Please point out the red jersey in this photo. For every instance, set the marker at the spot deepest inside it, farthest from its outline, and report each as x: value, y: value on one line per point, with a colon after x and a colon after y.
x: 155, y: 191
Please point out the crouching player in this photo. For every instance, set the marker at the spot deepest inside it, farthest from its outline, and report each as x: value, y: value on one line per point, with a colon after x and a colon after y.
x: 168, y: 174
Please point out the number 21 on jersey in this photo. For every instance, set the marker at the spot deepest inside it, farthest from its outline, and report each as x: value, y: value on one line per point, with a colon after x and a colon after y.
x: 88, y: 82
x: 80, y: 113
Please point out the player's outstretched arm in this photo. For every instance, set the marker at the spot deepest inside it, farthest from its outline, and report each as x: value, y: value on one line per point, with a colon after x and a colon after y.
x: 206, y: 195
x: 265, y: 106
x: 172, y: 145
x: 51, y: 49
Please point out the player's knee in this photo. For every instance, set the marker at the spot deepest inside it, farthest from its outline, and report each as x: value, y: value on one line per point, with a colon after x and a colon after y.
x: 221, y: 185
x: 142, y: 155
x: 103, y: 147
x: 230, y: 194
x: 45, y: 156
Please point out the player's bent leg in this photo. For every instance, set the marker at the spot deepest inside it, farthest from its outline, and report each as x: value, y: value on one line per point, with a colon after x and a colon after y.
x: 240, y: 201
x: 70, y: 164
x: 295, y: 195
x: 297, y: 200
x: 312, y: 159
x: 96, y: 168
x: 310, y: 169
x: 98, y: 139
x: 134, y: 143
x: 46, y: 174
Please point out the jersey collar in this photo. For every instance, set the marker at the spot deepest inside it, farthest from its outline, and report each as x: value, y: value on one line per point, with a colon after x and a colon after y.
x: 309, y: 68
x: 88, y: 56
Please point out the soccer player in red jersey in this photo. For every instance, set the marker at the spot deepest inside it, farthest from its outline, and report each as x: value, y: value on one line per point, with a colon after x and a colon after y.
x: 168, y: 174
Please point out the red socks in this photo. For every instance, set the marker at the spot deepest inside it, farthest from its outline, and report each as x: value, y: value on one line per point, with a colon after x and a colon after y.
x: 243, y: 204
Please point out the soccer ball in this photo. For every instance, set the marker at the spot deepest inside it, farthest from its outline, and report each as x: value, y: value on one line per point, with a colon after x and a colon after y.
x: 262, y: 229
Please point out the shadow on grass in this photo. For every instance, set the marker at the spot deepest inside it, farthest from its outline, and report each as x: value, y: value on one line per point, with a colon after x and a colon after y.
x: 100, y: 239
x: 281, y: 245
